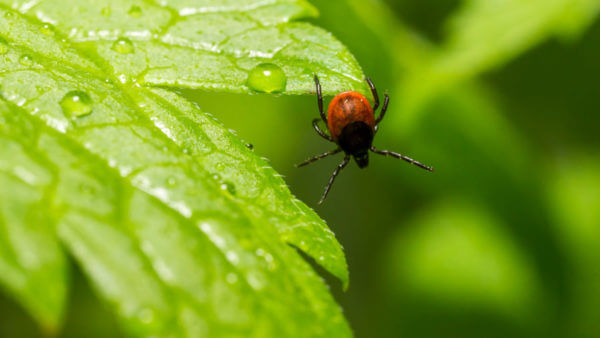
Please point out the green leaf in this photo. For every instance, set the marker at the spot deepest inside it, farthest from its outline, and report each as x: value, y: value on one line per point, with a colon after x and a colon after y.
x: 178, y: 224
x: 32, y: 265
x: 211, y: 44
x: 485, y: 34
x: 480, y: 265
x: 298, y: 224
x: 573, y: 196
x: 574, y: 193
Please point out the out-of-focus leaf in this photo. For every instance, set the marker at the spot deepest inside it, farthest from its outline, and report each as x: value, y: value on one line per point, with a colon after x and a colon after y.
x: 575, y: 197
x: 32, y: 265
x: 487, y: 33
x: 179, y: 225
x: 482, y: 35
x: 209, y: 44
x: 458, y: 256
x: 574, y: 192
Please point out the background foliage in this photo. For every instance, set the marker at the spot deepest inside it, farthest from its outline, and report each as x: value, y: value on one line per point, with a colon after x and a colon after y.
x: 502, y: 240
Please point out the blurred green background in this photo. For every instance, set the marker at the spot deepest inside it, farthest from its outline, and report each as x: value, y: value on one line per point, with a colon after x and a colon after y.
x: 503, y: 240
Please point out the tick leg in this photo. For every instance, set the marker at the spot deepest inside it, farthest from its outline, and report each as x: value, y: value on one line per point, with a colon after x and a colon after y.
x: 402, y: 157
x: 315, y: 124
x: 374, y: 92
x: 335, y: 173
x: 320, y: 99
x: 318, y: 157
x: 386, y: 101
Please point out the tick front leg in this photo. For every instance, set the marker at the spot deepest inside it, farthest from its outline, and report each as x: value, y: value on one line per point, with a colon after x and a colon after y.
x: 375, y: 95
x: 315, y: 124
x: 335, y: 173
x: 386, y: 101
x: 318, y: 157
x: 402, y: 157
x: 320, y: 99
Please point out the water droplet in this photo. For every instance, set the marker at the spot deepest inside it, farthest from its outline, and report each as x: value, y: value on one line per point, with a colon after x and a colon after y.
x: 171, y: 181
x: 3, y: 46
x: 269, y: 258
x: 76, y: 104
x: 26, y: 60
x: 256, y: 280
x: 105, y: 11
x: 220, y: 166
x: 260, y: 252
x: 216, y: 177
x: 123, y: 46
x: 123, y: 78
x: 228, y: 186
x: 270, y: 261
x: 249, y: 146
x: 47, y: 29
x: 267, y: 78
x: 231, y: 278
x: 135, y: 11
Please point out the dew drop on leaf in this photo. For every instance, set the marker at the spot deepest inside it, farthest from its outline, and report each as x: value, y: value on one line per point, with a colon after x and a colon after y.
x: 267, y: 78
x: 231, y: 278
x: 249, y: 146
x: 47, y: 29
x: 123, y: 46
x: 270, y: 261
x: 76, y: 104
x: 26, y: 60
x: 135, y: 11
x: 228, y: 186
x: 171, y: 181
x: 216, y: 177
x: 256, y: 280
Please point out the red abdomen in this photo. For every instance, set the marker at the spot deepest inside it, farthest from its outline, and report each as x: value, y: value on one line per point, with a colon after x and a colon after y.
x: 348, y: 107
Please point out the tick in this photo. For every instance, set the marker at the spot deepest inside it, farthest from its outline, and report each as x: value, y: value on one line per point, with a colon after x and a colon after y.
x: 352, y: 125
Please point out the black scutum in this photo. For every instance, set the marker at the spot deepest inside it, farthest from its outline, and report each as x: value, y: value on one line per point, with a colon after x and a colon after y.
x: 356, y: 138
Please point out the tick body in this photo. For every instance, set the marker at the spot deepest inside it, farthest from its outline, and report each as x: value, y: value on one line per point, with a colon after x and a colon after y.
x: 352, y: 126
